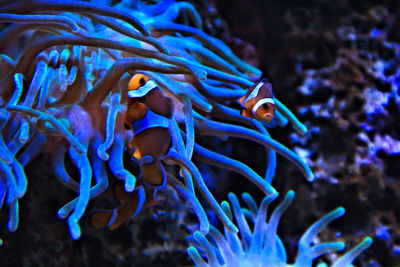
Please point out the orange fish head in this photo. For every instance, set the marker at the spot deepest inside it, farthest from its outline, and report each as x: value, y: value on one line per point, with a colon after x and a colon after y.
x: 265, y: 111
x: 139, y: 85
x: 137, y: 81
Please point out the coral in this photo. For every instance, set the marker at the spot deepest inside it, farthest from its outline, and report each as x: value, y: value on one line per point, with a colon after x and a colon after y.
x: 355, y: 94
x: 64, y: 78
x: 338, y: 65
x: 262, y: 245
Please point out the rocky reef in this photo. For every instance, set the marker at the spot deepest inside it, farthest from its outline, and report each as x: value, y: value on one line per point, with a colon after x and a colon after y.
x: 338, y: 64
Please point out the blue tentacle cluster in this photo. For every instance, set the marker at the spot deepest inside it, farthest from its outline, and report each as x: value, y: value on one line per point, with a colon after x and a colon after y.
x: 64, y: 92
x: 262, y: 246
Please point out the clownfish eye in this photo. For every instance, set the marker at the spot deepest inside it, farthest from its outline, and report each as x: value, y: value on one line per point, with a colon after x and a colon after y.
x: 266, y: 106
x: 142, y: 81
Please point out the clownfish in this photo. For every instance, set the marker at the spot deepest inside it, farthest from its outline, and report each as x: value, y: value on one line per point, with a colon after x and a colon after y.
x: 258, y: 102
x: 131, y: 204
x: 147, y: 115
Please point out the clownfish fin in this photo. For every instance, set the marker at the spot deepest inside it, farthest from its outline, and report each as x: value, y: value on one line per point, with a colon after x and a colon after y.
x: 101, y: 219
x: 129, y: 209
x: 136, y: 154
x: 170, y: 109
x: 247, y: 114
x: 152, y: 203
x: 127, y: 121
x: 118, y: 189
x: 240, y: 100
x: 154, y: 173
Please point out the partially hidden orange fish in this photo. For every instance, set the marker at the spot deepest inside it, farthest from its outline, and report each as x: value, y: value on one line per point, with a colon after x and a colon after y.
x: 258, y: 102
x: 131, y: 204
x: 148, y: 113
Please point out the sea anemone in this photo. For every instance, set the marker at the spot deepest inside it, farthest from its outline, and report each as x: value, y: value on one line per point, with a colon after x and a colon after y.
x: 65, y: 67
x: 262, y: 246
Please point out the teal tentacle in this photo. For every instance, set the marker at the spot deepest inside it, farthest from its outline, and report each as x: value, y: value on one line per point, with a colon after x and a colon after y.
x: 117, y: 167
x: 110, y: 126
x: 223, y: 129
x: 176, y: 158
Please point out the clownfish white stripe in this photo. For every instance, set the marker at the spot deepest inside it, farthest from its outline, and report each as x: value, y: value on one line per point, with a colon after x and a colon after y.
x: 142, y: 90
x: 262, y: 102
x: 254, y: 93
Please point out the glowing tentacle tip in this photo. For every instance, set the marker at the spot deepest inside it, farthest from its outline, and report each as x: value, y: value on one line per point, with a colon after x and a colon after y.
x: 339, y: 211
x: 201, y: 75
x: 231, y: 227
x: 195, y: 256
x: 301, y: 128
x: 309, y: 175
x: 101, y: 152
x: 74, y: 228
x: 13, y: 221
x: 350, y: 256
x: 130, y: 183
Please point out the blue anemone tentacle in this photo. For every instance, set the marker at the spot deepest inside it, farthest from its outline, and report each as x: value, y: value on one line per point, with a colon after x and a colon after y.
x: 53, y: 19
x: 242, y: 224
x: 216, y: 45
x: 349, y: 257
x: 173, y: 10
x: 194, y: 51
x: 62, y: 70
x: 251, y: 204
x: 271, y: 237
x: 49, y: 77
x: 83, y: 165
x: 14, y: 216
x: 300, y: 127
x: 222, y: 129
x: 177, y: 158
x: 74, y: 6
x: 58, y: 157
x: 37, y: 80
x: 53, y: 121
x: 262, y: 246
x: 18, y: 80
x: 100, y: 175
x: 112, y: 112
x: 117, y: 167
x: 5, y: 155
x: 193, y: 202
x: 112, y: 24
x: 32, y: 149
x: 216, y: 159
x: 232, y: 238
x: 187, y: 109
x: 325, y: 248
x: 174, y: 87
x: 180, y: 148
x: 220, y: 92
x: 12, y: 198
x: 233, y: 115
x: 11, y: 182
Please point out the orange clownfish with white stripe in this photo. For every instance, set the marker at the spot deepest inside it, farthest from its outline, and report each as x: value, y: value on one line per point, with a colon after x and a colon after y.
x: 148, y: 113
x: 258, y: 103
